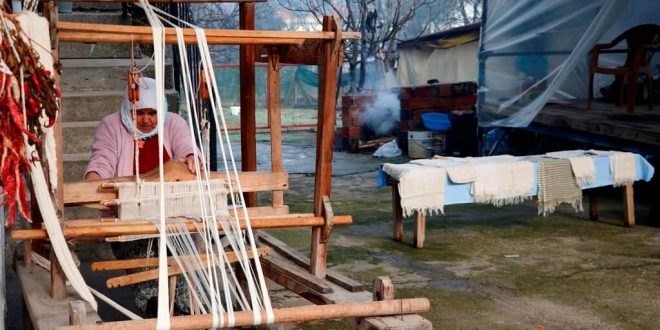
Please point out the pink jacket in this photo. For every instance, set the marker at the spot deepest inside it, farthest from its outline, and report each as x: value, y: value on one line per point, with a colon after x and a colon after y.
x: 113, y: 150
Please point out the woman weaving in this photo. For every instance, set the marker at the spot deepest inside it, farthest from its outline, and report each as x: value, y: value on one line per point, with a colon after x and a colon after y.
x: 113, y: 149
x: 113, y: 155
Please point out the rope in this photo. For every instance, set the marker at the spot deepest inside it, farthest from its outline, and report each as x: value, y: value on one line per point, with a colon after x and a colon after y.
x: 215, y: 287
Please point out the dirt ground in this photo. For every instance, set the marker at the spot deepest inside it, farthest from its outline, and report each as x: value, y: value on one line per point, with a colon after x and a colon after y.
x: 482, y: 267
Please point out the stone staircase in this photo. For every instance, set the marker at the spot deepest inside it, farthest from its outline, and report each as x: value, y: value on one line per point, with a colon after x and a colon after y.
x: 93, y: 83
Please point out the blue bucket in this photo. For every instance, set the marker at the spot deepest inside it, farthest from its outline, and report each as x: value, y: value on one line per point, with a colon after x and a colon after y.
x: 436, y: 121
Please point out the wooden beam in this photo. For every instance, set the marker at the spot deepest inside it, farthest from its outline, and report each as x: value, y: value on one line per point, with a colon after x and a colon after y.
x: 248, y: 106
x: 303, y: 261
x: 153, y: 262
x: 628, y: 205
x: 170, y: 39
x: 77, y: 312
x: 57, y: 278
x: 172, y: 269
x: 275, y: 119
x: 397, y: 211
x: 133, y: 30
x: 87, y: 192
x: 274, y: 264
x: 281, y: 315
x: 145, y: 227
x: 593, y: 205
x: 420, y: 230
x: 383, y: 289
x: 328, y: 63
x: 167, y: 1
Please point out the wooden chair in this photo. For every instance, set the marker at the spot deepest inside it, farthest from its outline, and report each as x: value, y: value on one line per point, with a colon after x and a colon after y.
x: 642, y: 41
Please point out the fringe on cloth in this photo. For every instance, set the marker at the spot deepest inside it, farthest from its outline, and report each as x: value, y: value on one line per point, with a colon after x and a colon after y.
x: 422, y: 188
x: 503, y: 183
x: 557, y: 185
x: 582, y: 165
x: 624, y: 168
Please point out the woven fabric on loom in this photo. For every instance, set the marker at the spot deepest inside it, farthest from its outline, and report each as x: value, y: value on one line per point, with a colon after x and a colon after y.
x: 182, y: 200
x: 557, y: 185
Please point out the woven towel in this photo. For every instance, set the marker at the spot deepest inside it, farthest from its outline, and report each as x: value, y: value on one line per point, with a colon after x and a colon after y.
x: 624, y: 168
x: 503, y: 183
x: 422, y: 188
x: 459, y: 170
x: 582, y: 165
x: 557, y: 185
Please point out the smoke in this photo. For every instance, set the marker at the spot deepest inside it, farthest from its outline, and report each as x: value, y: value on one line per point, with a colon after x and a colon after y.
x: 383, y: 114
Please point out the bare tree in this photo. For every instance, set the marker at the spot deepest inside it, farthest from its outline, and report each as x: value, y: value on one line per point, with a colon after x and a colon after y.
x: 382, y: 23
x: 226, y: 16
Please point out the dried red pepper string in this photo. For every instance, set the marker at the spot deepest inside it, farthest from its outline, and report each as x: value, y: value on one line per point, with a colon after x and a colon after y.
x: 41, y: 95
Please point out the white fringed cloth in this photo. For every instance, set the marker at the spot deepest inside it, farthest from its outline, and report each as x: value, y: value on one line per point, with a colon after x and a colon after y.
x: 422, y: 188
x: 182, y: 200
x: 501, y: 183
x: 497, y: 180
x: 557, y: 185
x: 624, y: 168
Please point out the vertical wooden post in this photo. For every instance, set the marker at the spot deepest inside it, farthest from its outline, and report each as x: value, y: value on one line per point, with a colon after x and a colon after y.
x: 275, y: 119
x: 397, y: 212
x: 77, y: 312
x: 628, y: 205
x: 420, y: 229
x: 57, y: 278
x: 328, y: 62
x: 383, y: 289
x: 248, y: 106
x: 593, y: 205
x: 27, y: 252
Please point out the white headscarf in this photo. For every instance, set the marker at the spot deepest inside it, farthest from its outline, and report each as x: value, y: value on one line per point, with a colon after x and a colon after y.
x: 147, y: 100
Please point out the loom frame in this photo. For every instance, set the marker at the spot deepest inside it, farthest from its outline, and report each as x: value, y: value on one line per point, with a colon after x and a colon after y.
x: 319, y: 48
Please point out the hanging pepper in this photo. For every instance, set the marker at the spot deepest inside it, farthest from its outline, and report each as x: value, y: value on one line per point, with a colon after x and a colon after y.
x: 41, y: 97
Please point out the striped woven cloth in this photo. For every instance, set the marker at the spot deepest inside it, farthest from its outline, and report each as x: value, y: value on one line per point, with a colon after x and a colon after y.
x: 557, y: 185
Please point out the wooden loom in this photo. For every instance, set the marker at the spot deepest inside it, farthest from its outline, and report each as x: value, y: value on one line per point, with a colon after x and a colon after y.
x: 305, y: 276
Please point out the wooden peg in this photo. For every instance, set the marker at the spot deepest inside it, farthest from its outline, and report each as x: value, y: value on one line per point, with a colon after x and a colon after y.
x: 133, y: 85
x: 328, y: 219
x: 383, y: 289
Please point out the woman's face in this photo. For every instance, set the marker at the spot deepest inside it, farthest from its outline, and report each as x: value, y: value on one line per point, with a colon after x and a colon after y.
x: 146, y: 119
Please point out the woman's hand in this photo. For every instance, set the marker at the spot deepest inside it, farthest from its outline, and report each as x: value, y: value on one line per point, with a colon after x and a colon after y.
x: 190, y: 161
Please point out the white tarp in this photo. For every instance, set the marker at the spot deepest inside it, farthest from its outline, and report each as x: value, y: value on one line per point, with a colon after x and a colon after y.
x: 532, y: 51
x: 417, y: 65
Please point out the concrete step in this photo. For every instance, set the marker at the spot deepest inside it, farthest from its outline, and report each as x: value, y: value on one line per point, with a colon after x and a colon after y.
x: 104, y: 74
x: 75, y: 166
x: 97, y: 6
x: 85, y: 50
x: 114, y: 17
x: 77, y: 137
x: 94, y: 105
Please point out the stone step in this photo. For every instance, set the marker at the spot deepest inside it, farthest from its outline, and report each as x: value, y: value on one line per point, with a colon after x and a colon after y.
x: 94, y: 105
x: 75, y: 166
x: 77, y: 137
x: 96, y: 6
x: 104, y: 74
x: 96, y: 17
x: 86, y: 50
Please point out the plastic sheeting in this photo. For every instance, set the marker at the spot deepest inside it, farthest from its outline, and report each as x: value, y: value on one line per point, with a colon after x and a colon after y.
x: 535, y: 51
x: 447, y: 65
